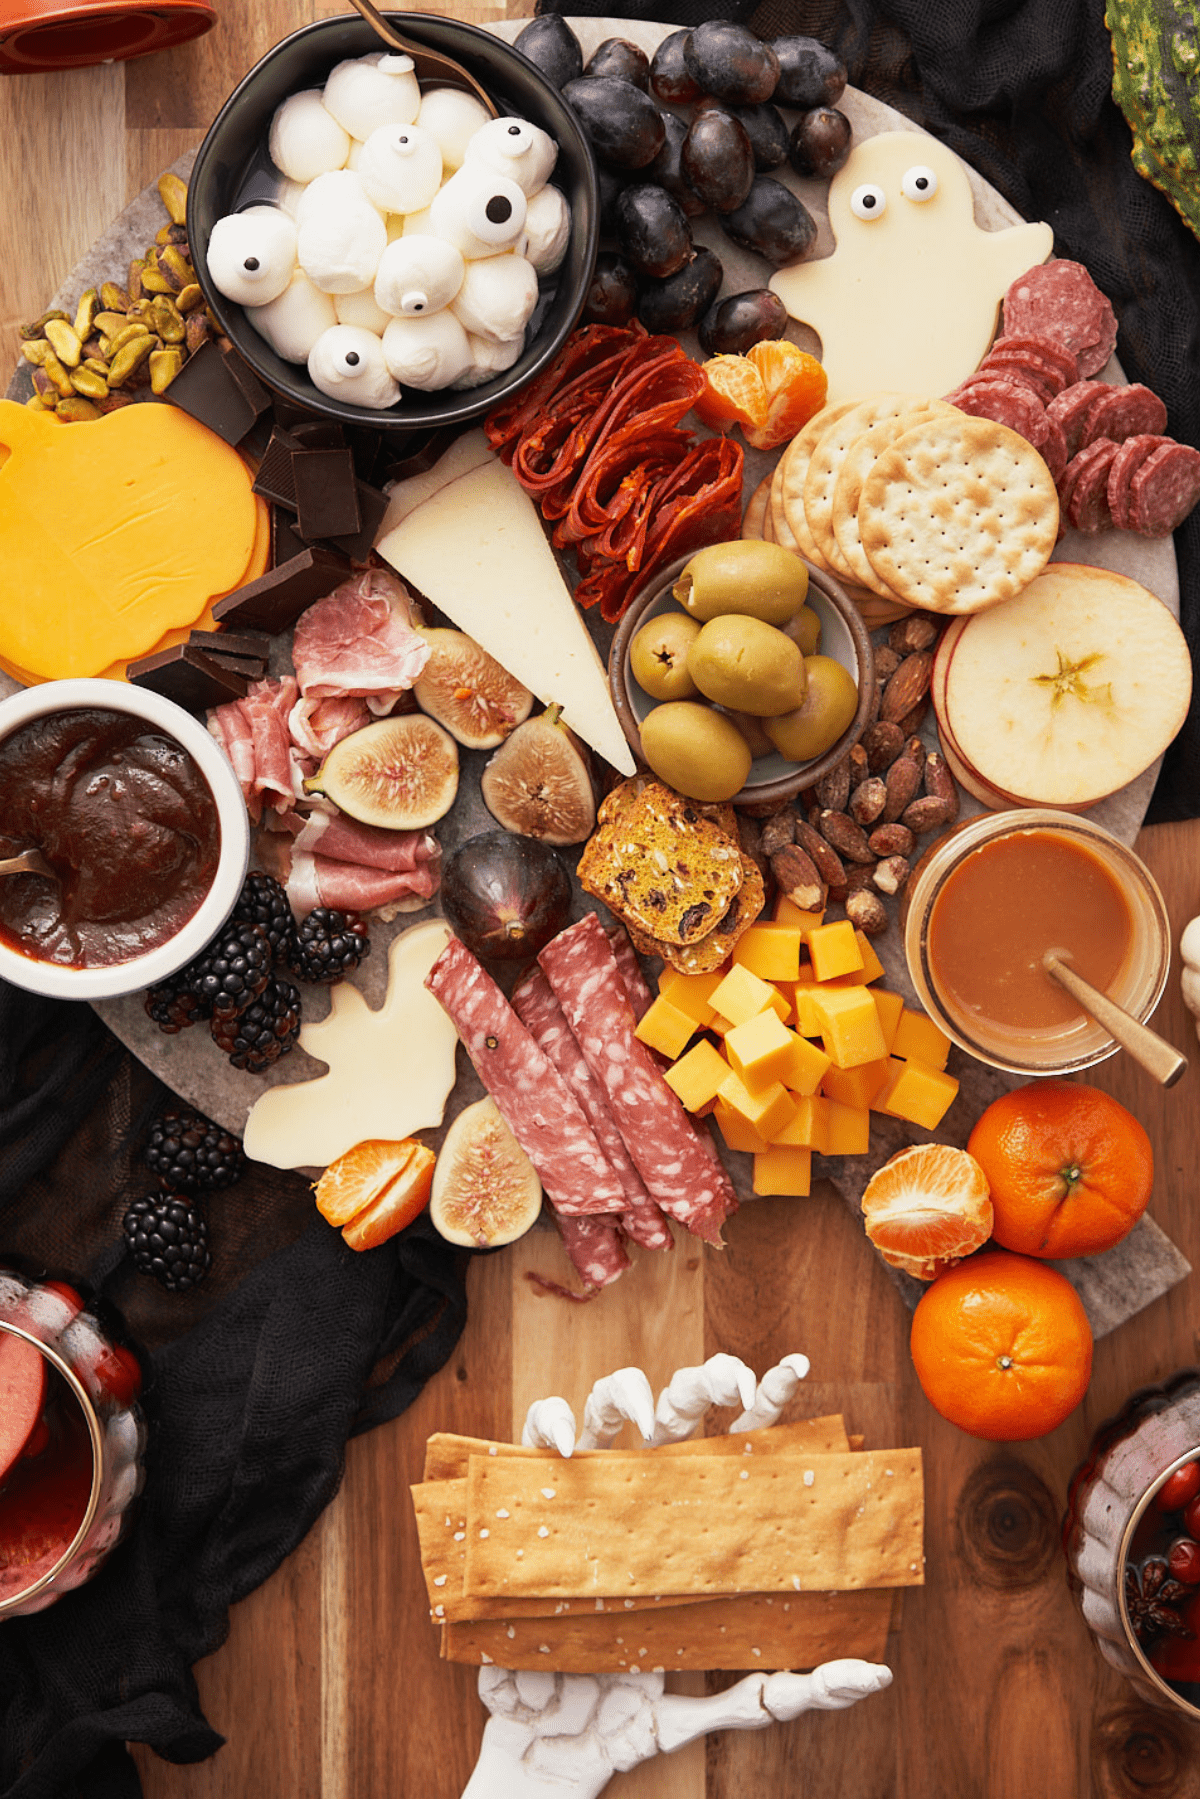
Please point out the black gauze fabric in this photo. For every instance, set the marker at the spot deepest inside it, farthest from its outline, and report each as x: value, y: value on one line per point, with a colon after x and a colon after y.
x: 254, y: 1382
x: 1022, y: 90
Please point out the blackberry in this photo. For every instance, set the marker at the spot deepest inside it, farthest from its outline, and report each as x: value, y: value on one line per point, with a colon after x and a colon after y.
x: 328, y: 945
x: 266, y: 1030
x: 174, y: 1003
x: 190, y: 1154
x: 168, y: 1238
x: 233, y: 970
x: 263, y: 900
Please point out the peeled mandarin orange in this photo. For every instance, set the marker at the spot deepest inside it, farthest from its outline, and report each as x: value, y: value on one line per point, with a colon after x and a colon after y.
x: 735, y: 394
x: 1069, y: 1168
x: 1002, y: 1347
x: 403, y: 1199
x: 365, y: 1175
x: 771, y: 391
x: 926, y: 1208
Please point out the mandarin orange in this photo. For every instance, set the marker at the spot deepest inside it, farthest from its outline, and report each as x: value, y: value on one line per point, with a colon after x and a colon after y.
x: 926, y: 1208
x: 771, y: 391
x: 1002, y: 1347
x: 1069, y: 1168
x: 375, y: 1189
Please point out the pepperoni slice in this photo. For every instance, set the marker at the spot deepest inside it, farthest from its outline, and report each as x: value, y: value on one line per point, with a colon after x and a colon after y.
x: 1130, y: 457
x: 1060, y: 300
x: 1164, y: 490
x: 1122, y: 412
x: 1087, y: 508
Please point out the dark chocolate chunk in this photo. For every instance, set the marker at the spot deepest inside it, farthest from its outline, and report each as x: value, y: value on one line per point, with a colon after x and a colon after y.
x: 190, y: 677
x: 275, y: 480
x: 286, y: 541
x: 275, y: 601
x: 371, y: 506
x: 317, y: 434
x: 257, y: 396
x: 247, y: 646
x: 415, y: 453
x: 208, y: 390
x: 326, y: 494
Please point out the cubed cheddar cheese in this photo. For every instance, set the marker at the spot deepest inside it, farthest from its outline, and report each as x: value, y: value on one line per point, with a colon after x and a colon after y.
x: 690, y: 992
x: 771, y: 951
x: 850, y: 1027
x: 872, y: 967
x: 916, y: 1092
x: 758, y: 1050
x: 741, y: 995
x: 665, y: 1028
x: 849, y: 1130
x: 805, y: 1067
x: 783, y: 1169
x: 918, y: 1039
x: 856, y: 1086
x: 765, y: 1111
x: 696, y: 1078
x: 737, y: 1131
x: 889, y: 1007
x: 833, y: 950
x: 809, y: 1128
x: 807, y: 1022
x: 788, y: 912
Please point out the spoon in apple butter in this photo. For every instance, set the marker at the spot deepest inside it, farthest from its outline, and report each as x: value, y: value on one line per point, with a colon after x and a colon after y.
x: 29, y: 862
x: 1152, y: 1052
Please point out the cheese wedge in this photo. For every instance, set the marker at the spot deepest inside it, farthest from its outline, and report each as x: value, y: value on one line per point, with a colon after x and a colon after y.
x: 467, y: 452
x: 476, y: 549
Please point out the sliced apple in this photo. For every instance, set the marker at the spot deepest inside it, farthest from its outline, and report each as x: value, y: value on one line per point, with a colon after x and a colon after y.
x: 1065, y: 693
x: 22, y: 1396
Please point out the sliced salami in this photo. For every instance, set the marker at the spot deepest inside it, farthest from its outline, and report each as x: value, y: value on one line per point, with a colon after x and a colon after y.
x: 1051, y: 446
x: 539, y: 1108
x: 1164, y: 490
x: 1060, y: 300
x: 636, y: 985
x: 1129, y: 458
x: 1056, y: 354
x: 595, y: 1248
x: 1123, y: 412
x: 1022, y: 365
x: 1070, y: 408
x: 1088, y: 508
x: 677, y: 1161
x: 1000, y: 398
x: 536, y: 1005
x: 1078, y: 466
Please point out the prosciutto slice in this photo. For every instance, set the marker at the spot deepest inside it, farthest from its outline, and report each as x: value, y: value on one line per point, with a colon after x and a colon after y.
x: 253, y: 732
x: 316, y: 725
x: 359, y: 641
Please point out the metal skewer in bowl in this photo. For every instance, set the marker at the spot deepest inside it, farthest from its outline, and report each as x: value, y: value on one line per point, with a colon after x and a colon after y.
x: 430, y: 63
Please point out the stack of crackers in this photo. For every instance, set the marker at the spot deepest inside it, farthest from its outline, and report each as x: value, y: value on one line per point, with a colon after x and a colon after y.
x: 673, y: 871
x: 910, y: 503
x: 775, y: 1548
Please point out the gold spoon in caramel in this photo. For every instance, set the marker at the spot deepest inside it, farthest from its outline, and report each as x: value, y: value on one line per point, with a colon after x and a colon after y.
x: 29, y: 862
x: 426, y: 62
x: 1154, y: 1053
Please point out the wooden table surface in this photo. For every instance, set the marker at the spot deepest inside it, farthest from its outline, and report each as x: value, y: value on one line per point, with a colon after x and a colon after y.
x: 329, y: 1686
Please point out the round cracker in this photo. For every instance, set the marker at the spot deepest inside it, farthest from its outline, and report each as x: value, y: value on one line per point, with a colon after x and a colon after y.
x: 779, y: 529
x: 756, y: 509
x: 959, y: 514
x: 793, y: 466
x: 857, y: 460
x: 820, y: 477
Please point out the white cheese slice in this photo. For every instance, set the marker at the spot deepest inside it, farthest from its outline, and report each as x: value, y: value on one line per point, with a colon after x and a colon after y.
x: 464, y: 454
x: 390, y: 1072
x: 477, y: 550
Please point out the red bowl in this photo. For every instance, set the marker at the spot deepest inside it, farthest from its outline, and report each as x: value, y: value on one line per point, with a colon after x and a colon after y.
x: 38, y: 37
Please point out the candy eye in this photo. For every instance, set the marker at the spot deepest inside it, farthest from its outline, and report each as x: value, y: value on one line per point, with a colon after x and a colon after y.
x: 868, y: 201
x: 413, y: 303
x: 519, y: 139
x: 404, y: 145
x: 350, y: 360
x: 919, y: 183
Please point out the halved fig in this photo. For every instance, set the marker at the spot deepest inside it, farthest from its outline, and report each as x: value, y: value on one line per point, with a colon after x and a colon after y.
x: 485, y: 1188
x: 539, y: 782
x: 401, y: 773
x: 468, y: 691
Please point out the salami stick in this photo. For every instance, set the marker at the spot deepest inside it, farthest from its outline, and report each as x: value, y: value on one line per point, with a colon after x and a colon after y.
x: 537, y: 1105
x: 595, y: 1248
x: 640, y: 996
x: 536, y: 1005
x: 678, y: 1163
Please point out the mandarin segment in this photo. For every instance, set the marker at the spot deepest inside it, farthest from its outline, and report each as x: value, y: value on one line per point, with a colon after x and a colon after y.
x: 927, y: 1207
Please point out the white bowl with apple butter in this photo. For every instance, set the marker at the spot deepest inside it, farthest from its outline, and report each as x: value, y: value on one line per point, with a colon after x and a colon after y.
x: 992, y: 898
x: 141, y: 821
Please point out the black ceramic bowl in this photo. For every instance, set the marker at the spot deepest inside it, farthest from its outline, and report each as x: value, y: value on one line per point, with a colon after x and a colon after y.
x: 232, y: 170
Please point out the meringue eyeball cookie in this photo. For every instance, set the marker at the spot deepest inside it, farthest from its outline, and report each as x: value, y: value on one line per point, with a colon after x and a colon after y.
x: 547, y: 231
x: 478, y: 211
x: 362, y: 309
x: 452, y: 118
x: 400, y: 168
x: 366, y: 92
x: 340, y: 240
x: 305, y: 139
x: 418, y: 275
x: 294, y: 321
x: 514, y: 147
x: 489, y: 359
x: 427, y: 353
x: 251, y: 254
x: 346, y: 363
x: 497, y: 297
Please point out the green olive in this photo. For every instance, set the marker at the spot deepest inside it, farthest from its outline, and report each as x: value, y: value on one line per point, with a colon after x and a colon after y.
x: 746, y: 665
x: 699, y: 752
x: 658, y: 656
x: 830, y: 702
x: 805, y: 629
x: 749, y: 575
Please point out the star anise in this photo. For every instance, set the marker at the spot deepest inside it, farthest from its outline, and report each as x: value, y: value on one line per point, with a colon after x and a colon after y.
x: 1150, y: 1601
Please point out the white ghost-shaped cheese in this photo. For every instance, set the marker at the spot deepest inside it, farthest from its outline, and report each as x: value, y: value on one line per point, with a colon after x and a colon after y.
x: 453, y: 118
x: 418, y: 275
x: 251, y: 254
x: 361, y: 308
x: 489, y: 359
x: 292, y: 322
x: 366, y: 92
x: 427, y: 353
x: 479, y: 211
x: 346, y: 363
x: 514, y: 147
x: 305, y: 139
x: 400, y: 168
x: 497, y: 297
x: 341, y: 235
x: 908, y: 300
x: 547, y: 232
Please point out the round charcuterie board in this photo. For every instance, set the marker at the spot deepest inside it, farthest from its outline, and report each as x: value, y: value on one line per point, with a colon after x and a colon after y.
x: 191, y: 1064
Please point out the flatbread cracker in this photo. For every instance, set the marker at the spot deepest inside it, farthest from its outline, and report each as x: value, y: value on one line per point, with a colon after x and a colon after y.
x: 960, y: 514
x: 447, y: 1454
x: 634, y: 1524
x: 657, y: 863
x: 857, y: 459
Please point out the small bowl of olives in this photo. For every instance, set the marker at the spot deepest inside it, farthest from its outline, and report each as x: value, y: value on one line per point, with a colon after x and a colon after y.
x: 741, y: 673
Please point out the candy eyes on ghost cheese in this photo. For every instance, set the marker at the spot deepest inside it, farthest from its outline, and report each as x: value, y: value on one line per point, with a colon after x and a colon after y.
x: 919, y: 183
x: 868, y: 201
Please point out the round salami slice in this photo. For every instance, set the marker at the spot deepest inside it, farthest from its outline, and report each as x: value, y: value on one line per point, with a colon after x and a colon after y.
x: 1088, y: 508
x: 1060, y: 300
x: 1056, y: 354
x: 1069, y: 409
x: 1051, y: 446
x: 1123, y: 412
x: 1002, y: 400
x: 1164, y: 490
x: 1128, y: 459
x: 1045, y: 377
x: 1077, y: 466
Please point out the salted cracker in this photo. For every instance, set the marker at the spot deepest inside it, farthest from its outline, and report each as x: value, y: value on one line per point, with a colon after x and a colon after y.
x: 754, y: 517
x: 790, y: 473
x: 859, y: 453
x: 824, y: 465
